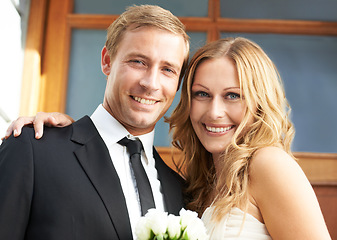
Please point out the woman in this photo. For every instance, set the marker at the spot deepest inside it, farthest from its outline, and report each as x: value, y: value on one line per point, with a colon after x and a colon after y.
x: 232, y: 126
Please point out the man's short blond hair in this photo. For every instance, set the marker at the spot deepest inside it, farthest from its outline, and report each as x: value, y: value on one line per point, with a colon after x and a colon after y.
x: 148, y: 16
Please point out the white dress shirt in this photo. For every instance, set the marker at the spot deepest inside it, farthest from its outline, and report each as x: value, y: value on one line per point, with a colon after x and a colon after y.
x: 111, y: 132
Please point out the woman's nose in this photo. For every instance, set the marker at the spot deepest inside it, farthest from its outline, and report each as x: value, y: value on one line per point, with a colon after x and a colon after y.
x: 217, y: 108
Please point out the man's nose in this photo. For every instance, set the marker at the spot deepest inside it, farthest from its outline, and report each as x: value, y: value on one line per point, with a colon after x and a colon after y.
x: 150, y: 80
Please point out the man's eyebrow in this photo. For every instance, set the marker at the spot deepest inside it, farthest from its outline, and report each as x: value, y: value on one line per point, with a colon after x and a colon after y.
x: 173, y: 65
x: 134, y: 54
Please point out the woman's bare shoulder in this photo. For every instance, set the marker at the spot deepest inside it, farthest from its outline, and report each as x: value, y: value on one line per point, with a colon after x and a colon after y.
x: 272, y: 167
x: 271, y: 158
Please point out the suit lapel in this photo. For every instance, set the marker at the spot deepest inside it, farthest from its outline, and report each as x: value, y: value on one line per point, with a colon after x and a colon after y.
x: 171, y: 184
x: 96, y: 162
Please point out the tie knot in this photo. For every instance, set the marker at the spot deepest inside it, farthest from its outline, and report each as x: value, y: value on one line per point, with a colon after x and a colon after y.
x: 133, y: 146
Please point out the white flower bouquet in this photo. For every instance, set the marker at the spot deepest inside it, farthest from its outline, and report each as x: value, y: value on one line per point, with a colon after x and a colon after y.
x: 158, y: 225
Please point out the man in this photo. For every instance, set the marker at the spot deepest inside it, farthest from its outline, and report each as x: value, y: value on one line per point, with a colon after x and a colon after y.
x: 76, y: 182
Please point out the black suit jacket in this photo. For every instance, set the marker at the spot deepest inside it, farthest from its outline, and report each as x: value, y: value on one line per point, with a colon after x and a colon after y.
x: 64, y: 186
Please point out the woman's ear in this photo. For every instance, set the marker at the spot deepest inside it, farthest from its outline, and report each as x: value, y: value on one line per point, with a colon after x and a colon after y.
x: 105, y: 61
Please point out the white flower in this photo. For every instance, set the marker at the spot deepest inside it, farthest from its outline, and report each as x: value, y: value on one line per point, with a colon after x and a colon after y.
x: 187, y: 217
x: 174, y: 228
x: 157, y: 221
x: 143, y: 230
x: 195, y: 230
x: 159, y: 225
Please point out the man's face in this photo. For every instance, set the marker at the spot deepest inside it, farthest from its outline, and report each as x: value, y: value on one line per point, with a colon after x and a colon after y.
x: 143, y: 77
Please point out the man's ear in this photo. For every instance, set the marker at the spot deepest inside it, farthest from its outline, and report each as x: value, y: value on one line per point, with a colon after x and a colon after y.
x: 105, y: 61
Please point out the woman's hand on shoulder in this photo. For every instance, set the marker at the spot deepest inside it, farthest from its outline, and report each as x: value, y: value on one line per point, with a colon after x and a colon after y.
x: 53, y: 119
x: 284, y: 195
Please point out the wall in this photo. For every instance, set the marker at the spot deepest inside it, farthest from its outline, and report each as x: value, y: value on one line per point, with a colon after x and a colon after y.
x: 13, y: 23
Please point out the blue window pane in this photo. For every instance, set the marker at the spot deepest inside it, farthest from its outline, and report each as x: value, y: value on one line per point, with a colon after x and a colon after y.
x: 307, y: 65
x: 192, y: 8
x: 324, y: 10
x: 86, y: 82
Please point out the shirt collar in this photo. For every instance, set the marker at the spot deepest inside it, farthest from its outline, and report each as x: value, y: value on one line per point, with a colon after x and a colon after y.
x: 147, y: 141
x: 112, y: 131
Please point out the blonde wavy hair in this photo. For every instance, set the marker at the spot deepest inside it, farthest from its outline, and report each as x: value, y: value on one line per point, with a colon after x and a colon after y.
x: 264, y: 95
x: 146, y: 16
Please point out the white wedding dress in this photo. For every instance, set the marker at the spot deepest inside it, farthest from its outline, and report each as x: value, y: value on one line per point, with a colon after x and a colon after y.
x: 230, y: 226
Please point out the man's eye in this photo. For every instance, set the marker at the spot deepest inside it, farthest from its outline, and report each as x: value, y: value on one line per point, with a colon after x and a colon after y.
x: 136, y: 61
x: 168, y: 70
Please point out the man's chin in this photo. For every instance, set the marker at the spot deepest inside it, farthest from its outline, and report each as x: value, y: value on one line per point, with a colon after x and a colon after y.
x: 141, y: 125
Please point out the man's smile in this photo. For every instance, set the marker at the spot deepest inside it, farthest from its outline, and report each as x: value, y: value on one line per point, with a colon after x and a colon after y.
x: 144, y: 101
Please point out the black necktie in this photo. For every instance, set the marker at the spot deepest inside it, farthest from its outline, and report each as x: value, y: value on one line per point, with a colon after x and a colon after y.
x: 144, y: 188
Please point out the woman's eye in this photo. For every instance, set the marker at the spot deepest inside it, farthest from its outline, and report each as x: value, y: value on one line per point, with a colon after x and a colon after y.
x: 201, y: 94
x: 232, y: 96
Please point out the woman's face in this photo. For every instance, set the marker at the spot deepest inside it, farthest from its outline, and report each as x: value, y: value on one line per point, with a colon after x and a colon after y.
x: 217, y: 109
